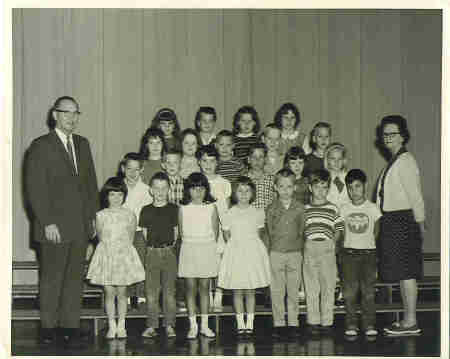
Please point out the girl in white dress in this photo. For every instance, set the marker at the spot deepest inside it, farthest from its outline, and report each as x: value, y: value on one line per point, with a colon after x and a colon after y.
x: 221, y: 191
x: 199, y: 226
x: 115, y: 263
x: 245, y: 264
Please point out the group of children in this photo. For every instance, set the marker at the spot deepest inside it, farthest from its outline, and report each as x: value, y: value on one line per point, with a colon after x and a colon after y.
x: 196, y: 212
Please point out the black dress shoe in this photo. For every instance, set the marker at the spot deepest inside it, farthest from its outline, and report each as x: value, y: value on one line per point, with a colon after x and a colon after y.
x: 74, y: 338
x: 293, y: 332
x: 47, y: 336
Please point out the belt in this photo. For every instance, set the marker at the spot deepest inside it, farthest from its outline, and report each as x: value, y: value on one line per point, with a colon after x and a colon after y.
x: 356, y: 251
x: 164, y: 246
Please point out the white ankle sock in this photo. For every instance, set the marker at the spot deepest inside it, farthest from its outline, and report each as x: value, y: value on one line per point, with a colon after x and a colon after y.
x: 193, y: 321
x: 204, y: 320
x: 250, y: 318
x: 240, y: 320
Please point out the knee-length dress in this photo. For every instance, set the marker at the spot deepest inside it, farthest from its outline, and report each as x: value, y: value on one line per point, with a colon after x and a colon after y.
x: 115, y: 260
x: 245, y: 262
x: 198, y: 253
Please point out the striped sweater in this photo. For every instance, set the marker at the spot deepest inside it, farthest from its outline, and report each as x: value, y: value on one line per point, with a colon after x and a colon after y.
x: 322, y: 222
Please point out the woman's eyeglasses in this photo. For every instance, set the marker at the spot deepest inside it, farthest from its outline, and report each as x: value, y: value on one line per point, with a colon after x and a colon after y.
x: 390, y: 134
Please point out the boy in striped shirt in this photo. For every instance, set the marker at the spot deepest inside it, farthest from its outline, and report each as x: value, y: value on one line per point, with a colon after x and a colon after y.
x: 324, y: 227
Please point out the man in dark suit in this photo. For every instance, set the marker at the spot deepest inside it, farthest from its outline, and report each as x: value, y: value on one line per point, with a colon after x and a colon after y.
x: 62, y: 190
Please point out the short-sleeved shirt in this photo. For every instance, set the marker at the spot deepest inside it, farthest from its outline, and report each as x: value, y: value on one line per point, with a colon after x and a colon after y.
x: 285, y: 226
x: 230, y: 169
x: 359, y: 224
x: 160, y: 223
x: 322, y: 222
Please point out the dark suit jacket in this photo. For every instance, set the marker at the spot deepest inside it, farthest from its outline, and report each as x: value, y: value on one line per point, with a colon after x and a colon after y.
x: 56, y: 194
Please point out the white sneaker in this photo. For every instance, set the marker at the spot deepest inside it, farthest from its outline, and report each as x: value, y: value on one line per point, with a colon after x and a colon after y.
x: 170, y: 332
x: 207, y: 332
x: 193, y: 332
x: 149, y: 333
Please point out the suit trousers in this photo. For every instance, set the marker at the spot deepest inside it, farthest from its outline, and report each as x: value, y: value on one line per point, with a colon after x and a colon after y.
x: 61, y: 283
x: 319, y: 275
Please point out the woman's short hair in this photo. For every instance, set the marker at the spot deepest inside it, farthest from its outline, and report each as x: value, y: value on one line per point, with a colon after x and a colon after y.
x: 401, y: 123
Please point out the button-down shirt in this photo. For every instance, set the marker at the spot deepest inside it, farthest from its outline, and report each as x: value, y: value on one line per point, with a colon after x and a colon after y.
x: 285, y: 226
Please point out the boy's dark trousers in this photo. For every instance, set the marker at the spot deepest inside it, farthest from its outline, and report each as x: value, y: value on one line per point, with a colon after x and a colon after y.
x: 359, y: 272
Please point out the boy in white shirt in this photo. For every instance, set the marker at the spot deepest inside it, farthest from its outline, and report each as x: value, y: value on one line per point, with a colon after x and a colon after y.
x: 359, y: 254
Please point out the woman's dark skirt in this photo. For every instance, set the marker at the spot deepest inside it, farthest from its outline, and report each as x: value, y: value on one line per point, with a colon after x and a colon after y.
x: 400, y: 247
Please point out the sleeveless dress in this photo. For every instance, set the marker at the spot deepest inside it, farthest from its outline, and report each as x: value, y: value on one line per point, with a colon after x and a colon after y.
x: 198, y: 253
x: 115, y: 260
x: 245, y: 262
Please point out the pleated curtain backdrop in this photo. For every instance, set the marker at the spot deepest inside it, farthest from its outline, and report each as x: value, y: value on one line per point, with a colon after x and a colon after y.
x: 346, y: 67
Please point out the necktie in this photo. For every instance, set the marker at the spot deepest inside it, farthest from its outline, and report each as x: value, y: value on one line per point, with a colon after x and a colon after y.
x: 339, y: 184
x: 69, y: 150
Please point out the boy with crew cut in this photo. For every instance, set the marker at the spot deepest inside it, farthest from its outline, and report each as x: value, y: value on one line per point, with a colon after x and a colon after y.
x: 323, y: 228
x: 359, y: 254
x: 285, y: 223
x: 159, y: 221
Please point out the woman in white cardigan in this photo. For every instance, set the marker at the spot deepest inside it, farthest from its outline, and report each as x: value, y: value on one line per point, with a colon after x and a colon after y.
x: 402, y: 225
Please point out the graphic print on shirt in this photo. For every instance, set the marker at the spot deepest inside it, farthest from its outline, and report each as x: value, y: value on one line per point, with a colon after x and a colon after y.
x: 357, y: 222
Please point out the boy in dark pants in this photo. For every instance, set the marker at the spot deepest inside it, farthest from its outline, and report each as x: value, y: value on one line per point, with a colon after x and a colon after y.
x: 359, y: 254
x: 159, y: 221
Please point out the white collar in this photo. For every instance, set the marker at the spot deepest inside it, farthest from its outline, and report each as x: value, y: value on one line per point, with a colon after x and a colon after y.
x: 64, y: 138
x: 245, y: 135
x: 292, y: 136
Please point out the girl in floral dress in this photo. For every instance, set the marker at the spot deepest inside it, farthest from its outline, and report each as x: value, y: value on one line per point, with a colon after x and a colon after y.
x: 115, y: 263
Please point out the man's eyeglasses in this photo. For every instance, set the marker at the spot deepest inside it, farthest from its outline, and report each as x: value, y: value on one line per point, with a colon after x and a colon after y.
x: 68, y: 113
x: 390, y: 134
